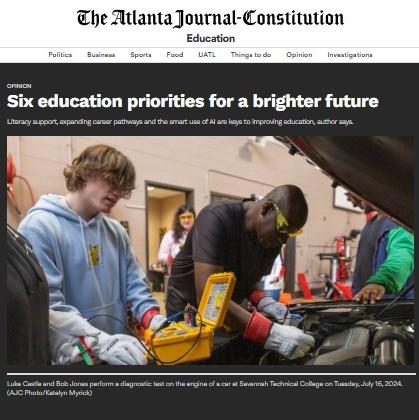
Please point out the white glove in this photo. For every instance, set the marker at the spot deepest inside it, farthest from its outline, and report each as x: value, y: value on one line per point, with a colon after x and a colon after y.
x: 288, y: 341
x: 65, y: 328
x: 272, y: 309
x: 119, y: 349
x: 278, y: 312
x: 157, y: 321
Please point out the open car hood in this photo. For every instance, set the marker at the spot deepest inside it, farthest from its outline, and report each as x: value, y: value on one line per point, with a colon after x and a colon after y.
x: 380, y: 170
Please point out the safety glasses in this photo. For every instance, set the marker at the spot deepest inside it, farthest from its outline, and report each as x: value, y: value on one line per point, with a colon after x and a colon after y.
x: 282, y: 225
x: 186, y: 217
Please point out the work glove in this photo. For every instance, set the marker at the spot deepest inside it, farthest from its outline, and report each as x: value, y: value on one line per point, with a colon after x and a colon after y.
x: 157, y: 321
x: 65, y: 330
x: 371, y: 293
x: 272, y: 309
x: 288, y: 341
x: 277, y: 311
x: 119, y: 349
x: 152, y: 319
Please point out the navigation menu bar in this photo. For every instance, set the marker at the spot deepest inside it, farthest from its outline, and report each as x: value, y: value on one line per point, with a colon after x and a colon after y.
x: 209, y: 55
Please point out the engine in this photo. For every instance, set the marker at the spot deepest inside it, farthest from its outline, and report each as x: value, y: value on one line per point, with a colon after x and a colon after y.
x: 366, y: 343
x: 355, y: 334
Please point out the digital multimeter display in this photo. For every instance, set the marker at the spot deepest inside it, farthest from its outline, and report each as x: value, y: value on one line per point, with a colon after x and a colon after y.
x: 215, y: 301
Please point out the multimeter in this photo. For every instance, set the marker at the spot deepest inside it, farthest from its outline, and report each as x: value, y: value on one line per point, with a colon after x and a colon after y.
x: 192, y: 339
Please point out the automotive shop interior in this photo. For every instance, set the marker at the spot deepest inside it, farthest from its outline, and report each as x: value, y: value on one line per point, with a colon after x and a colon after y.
x: 258, y: 250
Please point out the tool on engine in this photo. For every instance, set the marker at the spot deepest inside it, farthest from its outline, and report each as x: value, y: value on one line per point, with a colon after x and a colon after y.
x: 192, y: 339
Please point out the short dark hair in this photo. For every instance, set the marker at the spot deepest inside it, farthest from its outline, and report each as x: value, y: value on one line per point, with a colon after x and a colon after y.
x: 290, y: 199
x: 101, y: 161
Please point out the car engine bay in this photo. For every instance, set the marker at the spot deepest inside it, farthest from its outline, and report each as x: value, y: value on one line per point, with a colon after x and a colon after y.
x: 350, y: 333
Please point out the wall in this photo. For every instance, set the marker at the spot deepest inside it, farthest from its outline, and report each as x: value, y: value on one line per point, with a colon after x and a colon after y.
x: 154, y: 223
x: 227, y: 165
x: 169, y: 207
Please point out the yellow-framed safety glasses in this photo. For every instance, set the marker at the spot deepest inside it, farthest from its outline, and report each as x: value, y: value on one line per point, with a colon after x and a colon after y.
x: 186, y: 217
x: 281, y: 223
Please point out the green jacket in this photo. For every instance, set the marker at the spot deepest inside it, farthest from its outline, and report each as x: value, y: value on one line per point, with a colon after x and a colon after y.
x: 398, y: 264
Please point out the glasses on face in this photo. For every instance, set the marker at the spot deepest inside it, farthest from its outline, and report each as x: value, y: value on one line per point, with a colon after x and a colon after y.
x: 282, y: 225
x: 122, y: 194
x: 189, y: 217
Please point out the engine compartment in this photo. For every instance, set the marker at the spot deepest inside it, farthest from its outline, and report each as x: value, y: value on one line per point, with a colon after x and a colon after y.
x: 348, y: 333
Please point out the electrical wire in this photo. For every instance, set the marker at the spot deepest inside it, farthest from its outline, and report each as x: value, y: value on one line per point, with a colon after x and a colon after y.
x: 278, y: 320
x: 29, y: 187
x: 152, y: 353
x: 394, y: 301
x: 265, y: 355
x: 12, y: 200
x: 126, y: 326
x: 84, y: 351
x: 11, y: 176
x: 165, y: 362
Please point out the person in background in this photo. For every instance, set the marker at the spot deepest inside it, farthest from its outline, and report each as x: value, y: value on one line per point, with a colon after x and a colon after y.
x: 385, y: 257
x: 384, y: 261
x: 87, y: 257
x: 174, y: 239
x: 273, y: 282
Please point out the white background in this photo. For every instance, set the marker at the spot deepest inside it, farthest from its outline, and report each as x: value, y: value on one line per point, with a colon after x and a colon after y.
x: 368, y: 23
